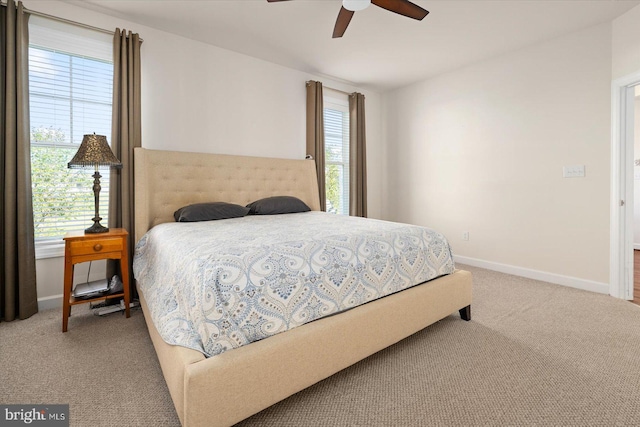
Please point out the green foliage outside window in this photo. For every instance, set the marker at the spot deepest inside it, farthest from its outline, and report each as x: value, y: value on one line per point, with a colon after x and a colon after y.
x: 60, y: 195
x: 332, y: 188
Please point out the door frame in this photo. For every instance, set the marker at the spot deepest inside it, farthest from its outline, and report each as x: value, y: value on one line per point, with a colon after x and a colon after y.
x: 622, y: 181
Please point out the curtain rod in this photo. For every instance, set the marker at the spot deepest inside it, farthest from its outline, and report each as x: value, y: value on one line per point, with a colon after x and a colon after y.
x: 66, y: 21
x: 336, y: 90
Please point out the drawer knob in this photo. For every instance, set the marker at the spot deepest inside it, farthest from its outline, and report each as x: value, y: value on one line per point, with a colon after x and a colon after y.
x: 97, y: 247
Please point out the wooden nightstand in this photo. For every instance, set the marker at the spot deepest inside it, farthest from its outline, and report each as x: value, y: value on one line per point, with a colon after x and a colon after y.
x: 80, y: 247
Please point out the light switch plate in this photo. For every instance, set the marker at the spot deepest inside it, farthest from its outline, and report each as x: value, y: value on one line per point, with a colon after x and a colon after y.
x: 576, y: 171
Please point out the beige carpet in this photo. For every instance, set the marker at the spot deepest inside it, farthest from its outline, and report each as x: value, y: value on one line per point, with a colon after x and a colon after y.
x: 533, y: 354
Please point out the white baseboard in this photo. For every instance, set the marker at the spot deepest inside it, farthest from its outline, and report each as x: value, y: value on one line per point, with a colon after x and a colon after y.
x: 636, y: 246
x: 558, y: 279
x: 48, y: 303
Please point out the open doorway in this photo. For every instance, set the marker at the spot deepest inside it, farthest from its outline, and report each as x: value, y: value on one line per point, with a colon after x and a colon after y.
x: 621, y: 283
x: 636, y: 196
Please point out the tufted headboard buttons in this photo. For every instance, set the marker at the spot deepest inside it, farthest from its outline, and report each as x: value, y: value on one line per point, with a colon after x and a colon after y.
x: 167, y: 180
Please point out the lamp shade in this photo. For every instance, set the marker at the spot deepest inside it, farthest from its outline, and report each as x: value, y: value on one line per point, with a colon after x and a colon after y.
x: 94, y: 151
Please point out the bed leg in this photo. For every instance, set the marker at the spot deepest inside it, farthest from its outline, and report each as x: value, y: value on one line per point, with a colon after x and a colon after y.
x: 465, y: 313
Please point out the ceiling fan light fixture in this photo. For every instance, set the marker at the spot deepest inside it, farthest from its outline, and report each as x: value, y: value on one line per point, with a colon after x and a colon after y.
x: 356, y: 5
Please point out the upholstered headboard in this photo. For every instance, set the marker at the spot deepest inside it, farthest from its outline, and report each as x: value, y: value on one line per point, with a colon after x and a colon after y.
x: 167, y: 180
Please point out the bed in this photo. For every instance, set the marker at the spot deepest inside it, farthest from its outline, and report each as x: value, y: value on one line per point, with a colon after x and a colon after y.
x: 226, y: 388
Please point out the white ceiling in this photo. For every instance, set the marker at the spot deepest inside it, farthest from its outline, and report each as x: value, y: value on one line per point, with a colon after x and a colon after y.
x: 380, y: 50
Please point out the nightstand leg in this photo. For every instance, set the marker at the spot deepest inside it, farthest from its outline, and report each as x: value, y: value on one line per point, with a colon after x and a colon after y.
x: 68, y: 283
x: 124, y: 269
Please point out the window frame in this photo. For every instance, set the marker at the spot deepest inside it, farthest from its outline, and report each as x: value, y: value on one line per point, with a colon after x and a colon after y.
x: 80, y: 43
x: 337, y: 101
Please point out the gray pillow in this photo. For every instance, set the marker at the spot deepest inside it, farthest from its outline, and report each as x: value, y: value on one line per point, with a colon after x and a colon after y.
x: 277, y: 205
x: 209, y: 212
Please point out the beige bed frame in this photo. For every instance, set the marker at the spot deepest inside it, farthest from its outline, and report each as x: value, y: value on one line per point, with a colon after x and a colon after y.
x: 227, y: 388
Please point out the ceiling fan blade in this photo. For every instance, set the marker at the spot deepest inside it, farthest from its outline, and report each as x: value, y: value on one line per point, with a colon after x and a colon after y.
x: 272, y: 1
x: 344, y: 17
x: 402, y: 7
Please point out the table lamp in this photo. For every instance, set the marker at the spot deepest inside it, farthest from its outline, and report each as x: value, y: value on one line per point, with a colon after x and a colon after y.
x: 95, y: 151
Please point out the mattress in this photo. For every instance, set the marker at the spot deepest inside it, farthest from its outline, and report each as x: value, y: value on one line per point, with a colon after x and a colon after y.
x: 217, y: 285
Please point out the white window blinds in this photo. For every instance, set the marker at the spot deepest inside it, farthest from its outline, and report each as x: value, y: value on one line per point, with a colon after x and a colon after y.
x: 70, y: 94
x: 336, y: 143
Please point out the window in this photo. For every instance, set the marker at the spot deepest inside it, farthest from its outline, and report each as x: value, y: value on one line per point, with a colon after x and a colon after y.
x: 336, y: 145
x: 70, y: 94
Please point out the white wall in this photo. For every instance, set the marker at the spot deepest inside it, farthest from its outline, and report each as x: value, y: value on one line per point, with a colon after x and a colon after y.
x: 481, y: 149
x: 198, y: 97
x: 626, y: 44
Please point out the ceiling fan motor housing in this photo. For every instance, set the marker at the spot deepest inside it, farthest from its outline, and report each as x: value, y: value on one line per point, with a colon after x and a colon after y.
x: 356, y: 5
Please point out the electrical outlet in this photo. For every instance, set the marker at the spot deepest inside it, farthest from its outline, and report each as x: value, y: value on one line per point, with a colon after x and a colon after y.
x: 465, y: 235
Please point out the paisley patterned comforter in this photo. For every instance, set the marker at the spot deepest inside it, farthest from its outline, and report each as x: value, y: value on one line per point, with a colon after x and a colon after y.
x: 217, y: 285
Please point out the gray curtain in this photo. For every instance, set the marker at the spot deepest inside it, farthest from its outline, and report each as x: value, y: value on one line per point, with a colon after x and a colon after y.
x: 18, y: 296
x: 125, y: 135
x: 315, y: 134
x: 357, y: 156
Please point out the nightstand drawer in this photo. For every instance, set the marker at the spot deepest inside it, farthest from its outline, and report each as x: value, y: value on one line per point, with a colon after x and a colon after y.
x: 97, y: 246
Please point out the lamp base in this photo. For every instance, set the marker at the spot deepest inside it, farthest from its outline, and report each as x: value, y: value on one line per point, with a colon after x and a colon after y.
x: 96, y: 228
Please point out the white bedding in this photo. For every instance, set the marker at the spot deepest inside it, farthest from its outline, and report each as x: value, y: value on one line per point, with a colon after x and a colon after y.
x: 216, y: 285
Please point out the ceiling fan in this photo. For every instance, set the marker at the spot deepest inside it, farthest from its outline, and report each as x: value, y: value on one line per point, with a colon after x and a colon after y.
x: 401, y: 7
